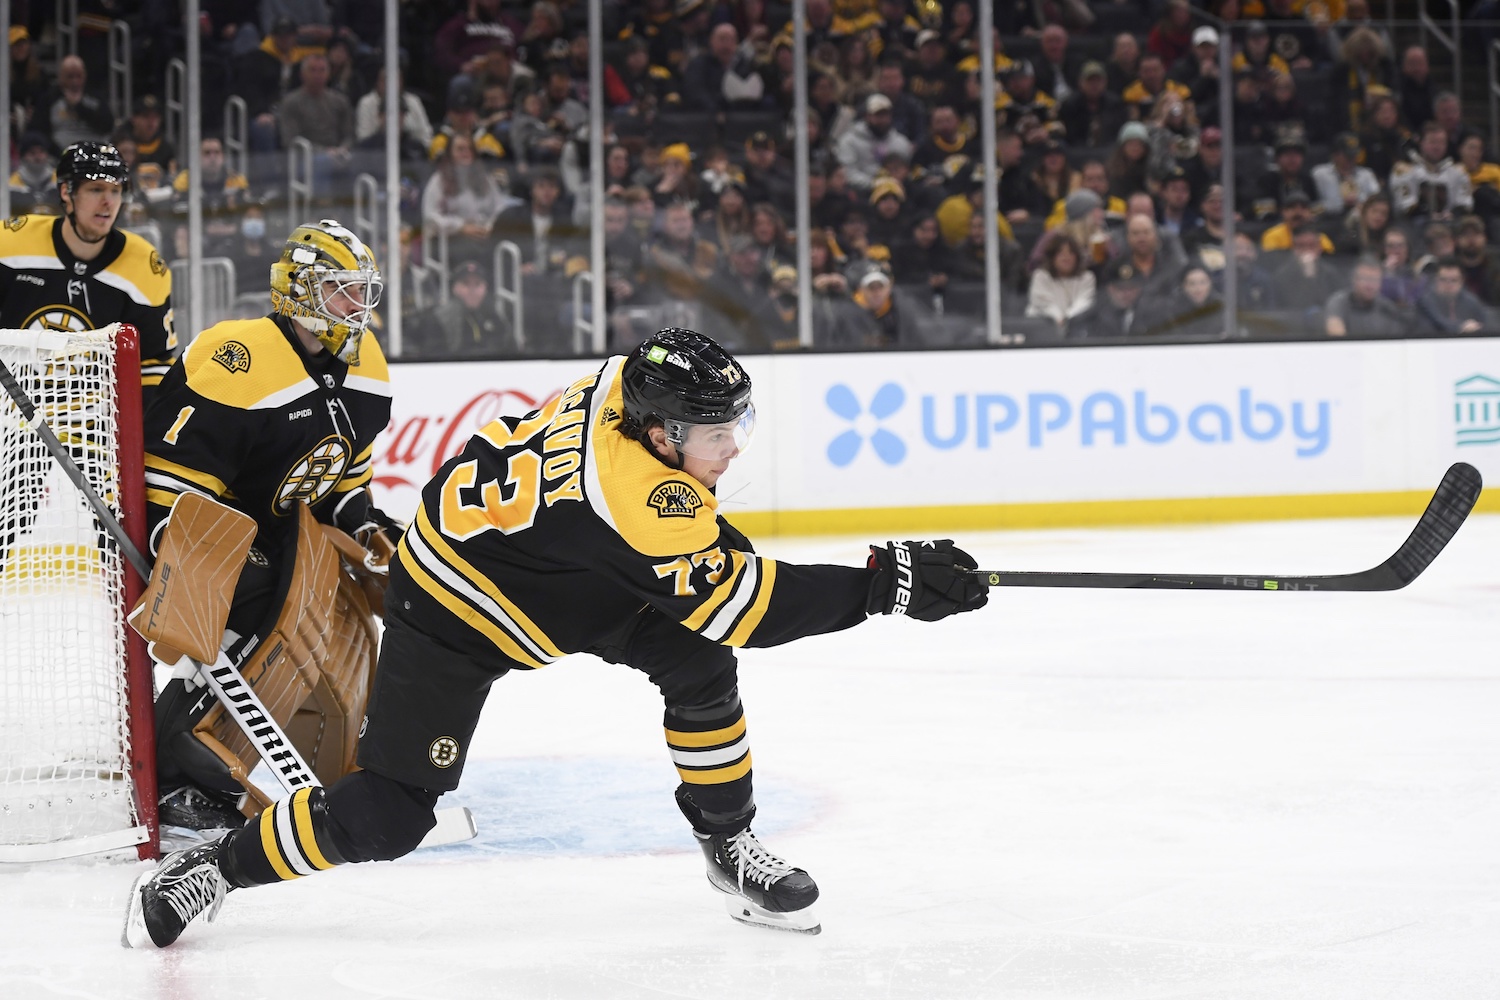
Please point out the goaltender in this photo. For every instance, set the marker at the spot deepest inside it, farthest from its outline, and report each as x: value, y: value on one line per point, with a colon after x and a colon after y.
x: 588, y: 525
x: 268, y: 416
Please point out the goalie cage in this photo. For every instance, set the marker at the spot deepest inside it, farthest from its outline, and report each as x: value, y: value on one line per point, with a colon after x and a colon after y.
x: 77, y: 755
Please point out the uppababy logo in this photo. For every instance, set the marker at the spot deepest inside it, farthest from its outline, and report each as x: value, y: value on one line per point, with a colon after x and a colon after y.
x: 1476, y: 410
x: 1130, y: 418
x: 844, y: 448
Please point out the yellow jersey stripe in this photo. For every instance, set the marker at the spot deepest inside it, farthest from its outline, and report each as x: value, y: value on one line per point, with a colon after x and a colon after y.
x: 272, y: 850
x: 709, y: 739
x: 741, y: 634
x: 718, y: 776
x: 307, y: 839
x: 462, y: 610
x: 718, y: 596
x: 439, y: 545
x: 202, y: 479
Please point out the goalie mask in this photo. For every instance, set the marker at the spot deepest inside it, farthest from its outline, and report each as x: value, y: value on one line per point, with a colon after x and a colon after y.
x: 695, y: 388
x: 327, y: 281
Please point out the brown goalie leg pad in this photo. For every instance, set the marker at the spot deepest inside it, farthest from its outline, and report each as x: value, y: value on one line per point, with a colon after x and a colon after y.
x: 255, y: 799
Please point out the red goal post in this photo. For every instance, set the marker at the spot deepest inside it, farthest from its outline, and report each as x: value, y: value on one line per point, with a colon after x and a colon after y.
x: 77, y: 735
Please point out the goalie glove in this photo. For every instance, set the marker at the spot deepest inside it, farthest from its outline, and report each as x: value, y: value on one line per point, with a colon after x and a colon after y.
x: 925, y: 580
x: 371, y: 527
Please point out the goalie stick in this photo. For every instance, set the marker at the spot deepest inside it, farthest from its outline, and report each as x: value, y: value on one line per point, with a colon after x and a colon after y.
x: 1445, y: 513
x: 454, y: 824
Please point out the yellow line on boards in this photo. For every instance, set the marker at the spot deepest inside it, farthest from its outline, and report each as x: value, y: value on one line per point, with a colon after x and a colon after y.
x: 1092, y: 513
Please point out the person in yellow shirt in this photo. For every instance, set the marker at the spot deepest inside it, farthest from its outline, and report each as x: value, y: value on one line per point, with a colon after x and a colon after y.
x: 954, y: 212
x: 1140, y: 97
x: 1296, y: 214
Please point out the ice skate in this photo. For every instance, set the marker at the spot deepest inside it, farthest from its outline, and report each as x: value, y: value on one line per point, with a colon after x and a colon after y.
x: 760, y: 889
x: 196, y: 814
x: 165, y: 901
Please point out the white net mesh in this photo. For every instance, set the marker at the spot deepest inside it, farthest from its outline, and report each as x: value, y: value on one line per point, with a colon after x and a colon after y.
x: 64, y: 725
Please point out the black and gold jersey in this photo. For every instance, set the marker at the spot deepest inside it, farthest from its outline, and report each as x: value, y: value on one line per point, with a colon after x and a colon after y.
x: 548, y: 532
x: 248, y: 417
x: 43, y: 286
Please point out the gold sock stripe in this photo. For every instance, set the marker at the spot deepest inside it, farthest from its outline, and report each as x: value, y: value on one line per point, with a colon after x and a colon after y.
x: 711, y: 738
x: 271, y: 848
x: 307, y: 838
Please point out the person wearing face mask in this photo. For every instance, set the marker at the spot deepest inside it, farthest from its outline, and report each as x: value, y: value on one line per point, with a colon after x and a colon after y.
x: 251, y: 251
x: 33, y: 186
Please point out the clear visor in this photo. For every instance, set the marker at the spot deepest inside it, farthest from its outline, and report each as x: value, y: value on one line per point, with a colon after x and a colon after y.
x: 348, y: 296
x: 713, y: 442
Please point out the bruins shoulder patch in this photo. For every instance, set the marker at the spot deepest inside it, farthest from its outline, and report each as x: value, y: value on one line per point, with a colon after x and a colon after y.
x: 674, y: 499
x: 158, y: 266
x: 232, y: 354
x: 15, y: 223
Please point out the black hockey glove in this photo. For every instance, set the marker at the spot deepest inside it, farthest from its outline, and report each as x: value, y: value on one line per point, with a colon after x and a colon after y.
x: 926, y: 580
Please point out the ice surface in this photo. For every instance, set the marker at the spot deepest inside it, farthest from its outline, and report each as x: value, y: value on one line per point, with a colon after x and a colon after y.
x: 1068, y: 795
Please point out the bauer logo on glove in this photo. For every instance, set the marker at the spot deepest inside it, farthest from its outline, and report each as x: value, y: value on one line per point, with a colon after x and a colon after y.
x: 925, y: 580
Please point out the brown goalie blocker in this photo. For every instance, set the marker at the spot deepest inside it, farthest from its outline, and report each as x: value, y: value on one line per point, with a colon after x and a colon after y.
x: 312, y: 668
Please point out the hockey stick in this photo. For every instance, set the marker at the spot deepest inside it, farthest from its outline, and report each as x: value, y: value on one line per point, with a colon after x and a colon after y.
x: 1445, y: 513
x: 60, y: 454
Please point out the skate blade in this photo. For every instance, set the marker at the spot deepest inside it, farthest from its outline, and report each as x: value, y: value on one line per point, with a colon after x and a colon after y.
x: 134, y: 933
x: 798, y: 921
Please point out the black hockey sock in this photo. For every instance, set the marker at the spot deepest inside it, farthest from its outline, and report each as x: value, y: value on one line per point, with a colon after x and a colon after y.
x: 286, y: 841
x: 710, y: 747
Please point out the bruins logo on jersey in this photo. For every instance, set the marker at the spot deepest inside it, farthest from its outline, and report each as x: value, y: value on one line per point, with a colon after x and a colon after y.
x: 233, y: 355
x: 15, y: 223
x: 673, y: 499
x: 57, y: 317
x: 158, y: 266
x: 314, y: 475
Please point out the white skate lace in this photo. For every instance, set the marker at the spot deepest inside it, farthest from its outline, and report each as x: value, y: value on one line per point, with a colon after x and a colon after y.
x: 191, y: 893
x: 761, y: 865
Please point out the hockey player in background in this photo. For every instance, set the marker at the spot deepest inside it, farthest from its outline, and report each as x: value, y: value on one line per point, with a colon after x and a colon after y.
x: 262, y: 415
x: 588, y: 525
x: 79, y: 272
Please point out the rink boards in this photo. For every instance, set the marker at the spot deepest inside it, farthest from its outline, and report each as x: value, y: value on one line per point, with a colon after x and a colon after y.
x: 1027, y: 438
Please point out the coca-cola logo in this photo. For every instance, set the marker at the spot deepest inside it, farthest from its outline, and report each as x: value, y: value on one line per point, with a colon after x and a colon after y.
x: 413, y: 447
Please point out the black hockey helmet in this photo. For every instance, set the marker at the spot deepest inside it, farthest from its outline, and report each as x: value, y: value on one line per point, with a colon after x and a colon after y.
x: 91, y: 161
x: 682, y: 378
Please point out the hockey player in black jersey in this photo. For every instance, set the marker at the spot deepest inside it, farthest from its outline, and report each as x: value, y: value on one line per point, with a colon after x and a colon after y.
x: 588, y: 525
x: 78, y: 272
x: 262, y: 415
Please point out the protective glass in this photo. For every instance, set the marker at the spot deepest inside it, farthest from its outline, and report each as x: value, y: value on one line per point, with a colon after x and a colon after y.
x: 713, y: 442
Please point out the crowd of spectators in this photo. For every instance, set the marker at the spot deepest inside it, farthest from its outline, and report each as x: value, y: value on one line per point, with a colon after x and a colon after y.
x: 1363, y: 205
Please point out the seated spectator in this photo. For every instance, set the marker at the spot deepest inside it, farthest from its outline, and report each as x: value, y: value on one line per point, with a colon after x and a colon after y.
x: 1175, y: 213
x: 723, y: 78
x: 1363, y: 62
x: 369, y: 121
x: 1257, y: 59
x: 677, y: 262
x: 1173, y: 127
x: 1171, y: 37
x: 944, y: 140
x: 833, y: 116
x: 624, y: 253
x: 1062, y: 287
x: 462, y: 202
x: 1124, y: 64
x: 1194, y: 310
x: 739, y: 292
x: 1343, y: 185
x: 1204, y: 52
x: 468, y: 36
x: 222, y: 192
x: 1449, y: 307
x: 1158, y: 268
x: 1384, y: 138
x: 1272, y: 188
x: 1255, y: 287
x: 1058, y: 68
x: 880, y: 318
x: 642, y: 213
x: 1023, y: 109
x: 865, y: 145
x: 969, y: 258
x: 537, y: 137
x: 1360, y: 310
x: 1020, y: 198
x: 677, y: 181
x: 768, y: 174
x: 1141, y: 96
x: 1281, y: 108
x: 27, y: 85
x: 1203, y: 242
x: 344, y: 75
x: 1446, y: 111
x: 921, y: 256
x: 888, y: 221
x: 1085, y: 223
x: 151, y: 145
x: 954, y: 212
x: 462, y: 118
x: 1480, y: 263
x: 1052, y: 174
x: 768, y: 230
x: 33, y: 185
x: 1430, y: 186
x: 1484, y: 177
x: 1093, y: 114
x: 1414, y: 85
x: 68, y: 113
x: 466, y: 326
x: 1307, y: 280
x: 932, y: 79
x: 648, y: 85
x: 1399, y: 280
x: 1249, y: 128
x: 856, y: 69
x: 253, y: 252
x: 1296, y: 215
x: 778, y: 318
x: 1129, y: 161
x: 730, y: 217
x: 1437, y: 243
x: 1300, y: 42
x: 909, y: 110
x: 1117, y: 312
x: 1365, y: 228
x: 543, y: 228
x: 826, y: 263
x: 1092, y: 176
x: 321, y: 116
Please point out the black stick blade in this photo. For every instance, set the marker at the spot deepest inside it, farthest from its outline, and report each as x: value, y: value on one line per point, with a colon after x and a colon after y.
x: 1445, y: 513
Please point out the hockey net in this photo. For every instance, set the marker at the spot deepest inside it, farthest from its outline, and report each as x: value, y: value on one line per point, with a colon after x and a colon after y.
x: 77, y: 769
